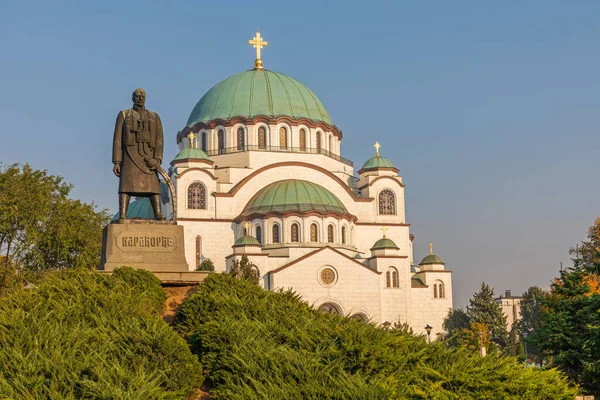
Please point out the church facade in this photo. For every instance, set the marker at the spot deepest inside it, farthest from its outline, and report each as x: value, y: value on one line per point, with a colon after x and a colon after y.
x: 260, y: 173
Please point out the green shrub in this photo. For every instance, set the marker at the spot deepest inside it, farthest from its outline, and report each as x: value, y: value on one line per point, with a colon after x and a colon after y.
x: 206, y: 265
x: 260, y: 344
x: 79, y: 334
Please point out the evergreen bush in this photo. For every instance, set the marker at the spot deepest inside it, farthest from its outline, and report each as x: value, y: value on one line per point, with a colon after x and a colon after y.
x: 267, y: 345
x: 78, y: 334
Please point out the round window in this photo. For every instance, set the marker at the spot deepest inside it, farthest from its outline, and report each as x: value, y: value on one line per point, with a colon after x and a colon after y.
x: 327, y: 276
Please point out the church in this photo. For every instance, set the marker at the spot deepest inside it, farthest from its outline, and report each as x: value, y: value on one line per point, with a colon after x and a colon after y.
x: 260, y: 173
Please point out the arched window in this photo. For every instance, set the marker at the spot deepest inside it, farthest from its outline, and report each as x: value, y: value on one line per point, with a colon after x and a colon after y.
x: 198, y: 251
x: 221, y: 141
x: 259, y: 234
x: 330, y: 308
x: 282, y: 138
x: 318, y: 142
x: 360, y: 317
x: 295, y: 233
x: 196, y: 196
x: 275, y: 233
x: 330, y: 144
x: 302, y: 140
x: 435, y: 290
x: 391, y: 278
x: 314, y: 236
x: 330, y: 234
x: 438, y: 290
x: 343, y: 235
x: 203, y: 140
x: 240, y: 138
x: 262, y: 138
x: 387, y: 202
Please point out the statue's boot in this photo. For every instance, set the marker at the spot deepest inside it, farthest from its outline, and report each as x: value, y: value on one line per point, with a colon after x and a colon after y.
x: 155, y: 200
x: 123, y: 205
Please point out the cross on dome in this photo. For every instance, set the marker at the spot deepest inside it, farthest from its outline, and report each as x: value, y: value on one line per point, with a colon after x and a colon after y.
x: 377, y: 146
x: 383, y: 229
x: 191, y: 136
x: 246, y: 226
x: 258, y: 43
x: 430, y: 249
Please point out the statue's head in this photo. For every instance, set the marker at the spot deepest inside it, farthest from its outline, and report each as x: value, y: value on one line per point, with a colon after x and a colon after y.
x: 139, y: 97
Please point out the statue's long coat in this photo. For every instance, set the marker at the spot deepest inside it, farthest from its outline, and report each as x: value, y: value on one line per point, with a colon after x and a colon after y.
x: 133, y: 147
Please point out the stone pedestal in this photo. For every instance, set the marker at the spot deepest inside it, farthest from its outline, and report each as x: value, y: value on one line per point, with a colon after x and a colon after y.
x: 153, y: 246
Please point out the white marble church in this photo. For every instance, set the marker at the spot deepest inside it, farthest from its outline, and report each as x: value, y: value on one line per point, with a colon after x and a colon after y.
x: 260, y: 173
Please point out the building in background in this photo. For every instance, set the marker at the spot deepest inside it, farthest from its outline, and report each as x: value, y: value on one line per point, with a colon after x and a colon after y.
x: 511, y: 307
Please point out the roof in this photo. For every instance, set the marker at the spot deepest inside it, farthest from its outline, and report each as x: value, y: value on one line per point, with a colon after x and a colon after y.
x: 384, y: 243
x: 247, y: 240
x: 259, y: 92
x: 378, y: 162
x: 431, y: 259
x: 191, y: 153
x: 294, y: 195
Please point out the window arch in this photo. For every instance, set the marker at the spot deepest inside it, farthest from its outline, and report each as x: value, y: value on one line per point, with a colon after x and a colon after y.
x: 343, y: 235
x: 221, y: 141
x: 275, y: 233
x: 196, y: 196
x: 439, y: 291
x: 241, y: 134
x: 391, y: 278
x: 360, y: 317
x: 330, y: 144
x: 314, y: 234
x: 302, y: 139
x: 318, y: 141
x: 330, y: 234
x: 258, y: 231
x: 282, y: 138
x: 262, y: 138
x: 330, y: 308
x: 387, y: 202
x: 198, y: 251
x: 203, y: 141
x: 295, y: 233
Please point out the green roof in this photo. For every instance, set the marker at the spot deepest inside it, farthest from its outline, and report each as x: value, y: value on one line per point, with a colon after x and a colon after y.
x: 259, y: 93
x: 431, y: 259
x: 140, y: 208
x: 384, y: 243
x: 378, y: 162
x: 247, y: 241
x: 193, y: 153
x: 294, y: 195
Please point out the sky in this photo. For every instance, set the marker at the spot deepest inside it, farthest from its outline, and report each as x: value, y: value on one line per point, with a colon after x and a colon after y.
x: 489, y: 109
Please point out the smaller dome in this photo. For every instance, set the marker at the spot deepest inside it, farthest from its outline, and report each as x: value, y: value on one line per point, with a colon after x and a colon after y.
x: 140, y: 208
x: 384, y: 243
x: 246, y: 241
x: 431, y: 259
x: 378, y: 162
x: 191, y: 153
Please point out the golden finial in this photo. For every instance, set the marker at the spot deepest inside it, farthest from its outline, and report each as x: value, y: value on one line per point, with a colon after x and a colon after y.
x: 377, y: 146
x: 246, y: 226
x: 430, y: 249
x: 258, y: 44
x: 383, y: 229
x: 191, y: 136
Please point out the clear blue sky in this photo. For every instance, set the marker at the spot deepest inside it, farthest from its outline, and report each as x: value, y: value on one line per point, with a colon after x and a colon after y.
x: 489, y: 109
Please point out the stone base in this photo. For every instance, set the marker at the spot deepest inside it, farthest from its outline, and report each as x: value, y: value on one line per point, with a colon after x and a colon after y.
x: 177, y: 278
x: 153, y: 247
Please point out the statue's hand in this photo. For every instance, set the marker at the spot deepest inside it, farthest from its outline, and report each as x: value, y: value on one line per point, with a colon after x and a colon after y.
x: 152, y: 163
x: 117, y: 169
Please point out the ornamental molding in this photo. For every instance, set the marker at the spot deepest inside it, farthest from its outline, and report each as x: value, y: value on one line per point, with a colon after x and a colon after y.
x: 382, y: 177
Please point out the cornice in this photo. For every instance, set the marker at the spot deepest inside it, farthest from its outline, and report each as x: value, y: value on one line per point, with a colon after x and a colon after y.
x: 318, y: 251
x: 395, y: 170
x: 381, y: 177
x: 250, y: 217
x: 214, y: 178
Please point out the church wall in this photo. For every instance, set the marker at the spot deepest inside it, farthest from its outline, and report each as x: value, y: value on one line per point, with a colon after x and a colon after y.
x: 425, y: 309
x: 217, y: 239
x: 394, y: 300
x: 367, y: 235
x: 182, y: 185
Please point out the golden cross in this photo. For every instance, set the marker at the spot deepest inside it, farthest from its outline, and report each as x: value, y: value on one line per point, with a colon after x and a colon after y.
x: 383, y: 230
x: 191, y: 136
x: 430, y: 249
x: 258, y: 44
x: 377, y: 146
x: 246, y: 226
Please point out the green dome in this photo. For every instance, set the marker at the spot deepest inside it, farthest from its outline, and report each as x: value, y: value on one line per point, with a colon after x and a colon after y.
x: 384, y: 243
x: 140, y: 208
x: 294, y: 195
x: 378, y: 162
x: 193, y: 153
x: 247, y: 241
x: 259, y: 92
x: 431, y: 259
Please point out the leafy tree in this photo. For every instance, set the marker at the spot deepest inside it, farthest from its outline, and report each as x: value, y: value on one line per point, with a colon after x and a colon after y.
x: 456, y: 319
x: 244, y: 269
x: 41, y: 227
x: 530, y: 319
x: 569, y: 332
x: 483, y: 309
x: 207, y: 265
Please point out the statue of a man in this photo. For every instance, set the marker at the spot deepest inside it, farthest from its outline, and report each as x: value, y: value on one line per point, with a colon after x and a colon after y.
x: 137, y: 153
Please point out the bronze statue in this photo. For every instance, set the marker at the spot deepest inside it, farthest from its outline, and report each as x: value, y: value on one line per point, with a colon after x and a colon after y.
x: 137, y: 154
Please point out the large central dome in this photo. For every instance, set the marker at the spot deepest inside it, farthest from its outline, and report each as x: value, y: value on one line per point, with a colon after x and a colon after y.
x: 259, y: 93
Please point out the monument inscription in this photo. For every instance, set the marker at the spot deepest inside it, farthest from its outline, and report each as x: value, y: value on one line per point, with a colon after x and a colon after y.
x: 127, y: 241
